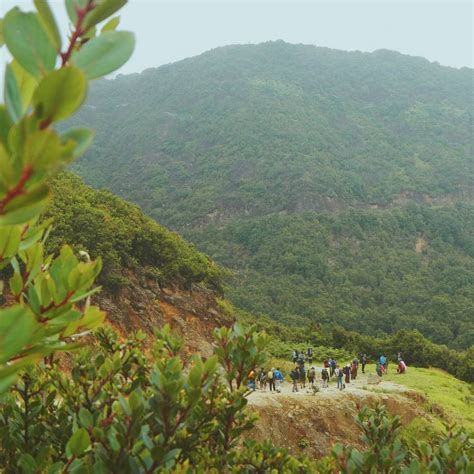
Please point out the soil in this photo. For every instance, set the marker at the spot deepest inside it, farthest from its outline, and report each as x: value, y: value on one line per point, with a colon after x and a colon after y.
x: 144, y: 305
x: 311, y: 423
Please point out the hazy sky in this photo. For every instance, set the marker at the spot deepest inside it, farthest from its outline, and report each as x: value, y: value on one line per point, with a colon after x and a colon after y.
x: 171, y: 30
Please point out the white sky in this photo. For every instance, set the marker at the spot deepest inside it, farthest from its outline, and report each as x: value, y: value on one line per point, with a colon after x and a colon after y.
x: 171, y: 30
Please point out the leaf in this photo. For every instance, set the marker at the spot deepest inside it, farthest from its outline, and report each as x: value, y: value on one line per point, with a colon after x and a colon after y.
x: 5, y: 125
x: 43, y: 149
x: 2, y: 40
x: 49, y: 23
x: 26, y: 84
x: 111, y: 25
x: 60, y: 94
x: 85, y: 418
x: 71, y: 6
x: 81, y: 136
x: 17, y: 329
x: 10, y: 238
x: 103, y: 9
x: 78, y: 443
x: 28, y: 43
x: 12, y: 94
x: 105, y: 53
x: 23, y: 208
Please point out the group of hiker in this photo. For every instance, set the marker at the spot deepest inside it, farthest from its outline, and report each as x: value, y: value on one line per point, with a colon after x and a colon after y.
x: 300, y: 376
x: 382, y: 365
x: 273, y: 379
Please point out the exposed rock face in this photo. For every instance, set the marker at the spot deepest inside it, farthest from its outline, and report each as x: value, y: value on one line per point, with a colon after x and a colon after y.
x: 144, y: 305
x: 312, y: 425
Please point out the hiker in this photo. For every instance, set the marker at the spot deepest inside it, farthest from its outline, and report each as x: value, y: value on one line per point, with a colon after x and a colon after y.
x: 347, y: 373
x: 339, y: 374
x: 401, y: 369
x: 278, y: 376
x: 295, y: 355
x: 309, y: 355
x: 383, y: 363
x: 300, y: 360
x: 311, y: 375
x: 271, y: 379
x: 354, y: 368
x: 302, y: 377
x: 262, y: 379
x: 399, y: 357
x: 251, y: 381
x: 326, y: 363
x: 332, y: 366
x: 295, y: 375
x: 364, y: 363
x: 325, y: 377
x: 379, y: 369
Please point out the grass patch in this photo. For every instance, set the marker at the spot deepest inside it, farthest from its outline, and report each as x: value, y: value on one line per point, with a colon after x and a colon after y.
x: 441, y: 389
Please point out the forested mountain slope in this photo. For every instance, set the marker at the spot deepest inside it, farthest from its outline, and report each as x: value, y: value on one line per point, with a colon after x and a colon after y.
x: 338, y: 185
x: 150, y: 275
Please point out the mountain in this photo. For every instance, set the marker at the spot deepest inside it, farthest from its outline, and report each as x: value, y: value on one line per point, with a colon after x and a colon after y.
x: 337, y: 186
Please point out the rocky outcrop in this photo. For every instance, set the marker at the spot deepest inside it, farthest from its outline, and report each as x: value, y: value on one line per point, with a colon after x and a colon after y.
x: 144, y: 305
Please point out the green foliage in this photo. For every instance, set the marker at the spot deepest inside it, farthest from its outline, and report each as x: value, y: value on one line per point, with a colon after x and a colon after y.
x: 104, y: 54
x: 48, y: 295
x: 115, y: 412
x: 386, y: 452
x: 360, y: 269
x: 105, y: 225
x: 313, y: 183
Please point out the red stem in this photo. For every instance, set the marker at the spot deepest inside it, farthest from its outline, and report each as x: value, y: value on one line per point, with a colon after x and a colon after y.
x: 18, y: 189
x: 78, y: 31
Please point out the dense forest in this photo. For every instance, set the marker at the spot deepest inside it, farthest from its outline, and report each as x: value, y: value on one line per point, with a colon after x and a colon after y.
x: 105, y: 225
x: 337, y: 186
x: 368, y: 270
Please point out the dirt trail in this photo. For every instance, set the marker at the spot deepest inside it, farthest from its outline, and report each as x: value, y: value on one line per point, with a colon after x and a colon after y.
x: 311, y: 423
x: 357, y: 388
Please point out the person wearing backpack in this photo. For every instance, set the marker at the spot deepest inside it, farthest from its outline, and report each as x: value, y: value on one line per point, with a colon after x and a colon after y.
x: 262, y: 379
x: 332, y: 366
x: 309, y: 355
x: 325, y: 377
x: 271, y: 379
x: 347, y: 373
x: 278, y: 376
x: 302, y: 377
x: 311, y: 375
x: 339, y: 374
x: 364, y: 362
x: 251, y: 381
x: 354, y: 368
x: 295, y: 375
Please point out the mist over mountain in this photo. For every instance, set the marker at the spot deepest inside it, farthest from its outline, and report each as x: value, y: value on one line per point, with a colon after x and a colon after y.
x: 337, y: 185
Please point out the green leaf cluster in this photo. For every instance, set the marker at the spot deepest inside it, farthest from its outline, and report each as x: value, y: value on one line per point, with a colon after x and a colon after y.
x: 117, y: 412
x: 48, y: 295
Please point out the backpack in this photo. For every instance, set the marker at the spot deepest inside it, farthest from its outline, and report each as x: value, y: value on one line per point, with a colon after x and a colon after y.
x: 270, y: 375
x: 324, y: 374
x: 311, y: 374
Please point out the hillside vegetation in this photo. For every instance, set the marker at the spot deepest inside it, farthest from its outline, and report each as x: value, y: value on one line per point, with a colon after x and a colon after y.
x: 337, y: 185
x: 107, y: 226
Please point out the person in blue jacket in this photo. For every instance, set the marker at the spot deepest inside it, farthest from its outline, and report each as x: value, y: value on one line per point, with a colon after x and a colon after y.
x: 383, y: 363
x: 278, y: 376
